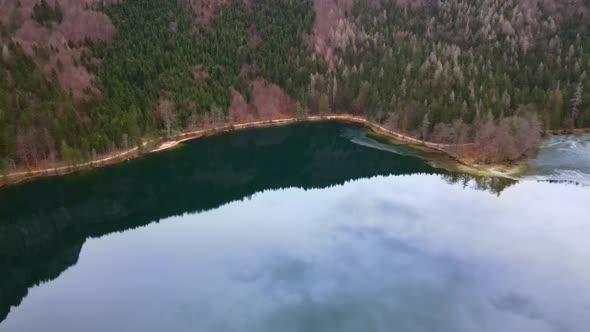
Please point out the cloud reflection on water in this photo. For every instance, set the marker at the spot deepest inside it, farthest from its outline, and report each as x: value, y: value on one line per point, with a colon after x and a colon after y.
x: 410, y: 253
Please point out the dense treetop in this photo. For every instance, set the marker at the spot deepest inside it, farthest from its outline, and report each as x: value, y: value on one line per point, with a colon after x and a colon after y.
x: 493, y: 72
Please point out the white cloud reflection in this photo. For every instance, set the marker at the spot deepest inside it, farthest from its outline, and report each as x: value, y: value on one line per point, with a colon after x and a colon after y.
x: 409, y: 253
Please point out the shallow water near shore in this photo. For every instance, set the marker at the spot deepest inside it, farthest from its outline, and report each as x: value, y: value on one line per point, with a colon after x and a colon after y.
x: 310, y: 227
x: 562, y: 158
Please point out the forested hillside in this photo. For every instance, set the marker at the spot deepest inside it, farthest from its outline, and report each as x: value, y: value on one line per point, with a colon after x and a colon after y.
x: 80, y: 78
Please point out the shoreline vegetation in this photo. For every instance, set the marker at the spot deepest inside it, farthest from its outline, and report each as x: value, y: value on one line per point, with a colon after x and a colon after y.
x: 492, y: 73
x: 452, y: 151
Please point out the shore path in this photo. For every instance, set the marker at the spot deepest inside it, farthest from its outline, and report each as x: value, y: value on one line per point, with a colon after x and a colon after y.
x: 190, y: 135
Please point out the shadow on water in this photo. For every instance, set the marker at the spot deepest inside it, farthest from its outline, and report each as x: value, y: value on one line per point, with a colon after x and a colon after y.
x: 43, y: 224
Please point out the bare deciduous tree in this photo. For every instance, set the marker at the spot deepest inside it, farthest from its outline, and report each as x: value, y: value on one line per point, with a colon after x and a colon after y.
x: 166, y: 112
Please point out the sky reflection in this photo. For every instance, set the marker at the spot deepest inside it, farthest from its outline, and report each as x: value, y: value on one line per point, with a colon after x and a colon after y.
x: 406, y: 253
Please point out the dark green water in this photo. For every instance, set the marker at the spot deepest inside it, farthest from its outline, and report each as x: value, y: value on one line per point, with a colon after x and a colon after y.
x: 309, y: 227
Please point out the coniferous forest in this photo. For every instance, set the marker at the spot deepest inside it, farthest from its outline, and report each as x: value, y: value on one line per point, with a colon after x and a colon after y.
x: 80, y: 82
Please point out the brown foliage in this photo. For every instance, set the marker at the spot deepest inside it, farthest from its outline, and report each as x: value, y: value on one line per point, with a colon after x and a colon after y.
x: 335, y: 29
x: 79, y: 22
x: 269, y: 99
x: 509, y: 139
x: 240, y: 110
x: 456, y: 132
x: 506, y: 140
x: 33, y: 146
x: 199, y: 73
x: 166, y: 112
x: 205, y: 9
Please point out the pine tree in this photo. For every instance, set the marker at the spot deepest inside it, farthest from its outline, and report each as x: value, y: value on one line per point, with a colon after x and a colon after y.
x: 576, y: 103
x: 324, y: 106
x: 425, y: 126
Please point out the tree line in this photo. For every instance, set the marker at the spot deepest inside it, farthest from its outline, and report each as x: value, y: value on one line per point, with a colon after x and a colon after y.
x: 490, y: 72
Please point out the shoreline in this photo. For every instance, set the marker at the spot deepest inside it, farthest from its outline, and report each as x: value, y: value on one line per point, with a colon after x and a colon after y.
x: 121, y: 156
x: 563, y: 132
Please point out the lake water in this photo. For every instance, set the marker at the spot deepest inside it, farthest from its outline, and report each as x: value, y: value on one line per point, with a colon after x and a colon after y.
x: 302, y: 228
x: 563, y: 158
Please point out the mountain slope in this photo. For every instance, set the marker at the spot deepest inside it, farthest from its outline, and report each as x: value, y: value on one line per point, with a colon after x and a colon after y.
x: 81, y: 78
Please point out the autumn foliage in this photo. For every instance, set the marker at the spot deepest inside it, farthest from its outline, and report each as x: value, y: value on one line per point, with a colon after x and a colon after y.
x: 81, y: 78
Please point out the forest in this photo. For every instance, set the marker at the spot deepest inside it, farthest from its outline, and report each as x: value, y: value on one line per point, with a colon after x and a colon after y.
x: 492, y: 72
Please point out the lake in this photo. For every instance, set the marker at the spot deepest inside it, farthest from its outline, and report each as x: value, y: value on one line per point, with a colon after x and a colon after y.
x: 309, y: 227
x: 563, y: 158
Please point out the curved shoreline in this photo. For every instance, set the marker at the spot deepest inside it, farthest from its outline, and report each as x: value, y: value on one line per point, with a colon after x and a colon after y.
x: 21, y: 176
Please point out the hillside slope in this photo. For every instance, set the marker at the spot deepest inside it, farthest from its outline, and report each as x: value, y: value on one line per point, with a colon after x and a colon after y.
x: 85, y: 77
